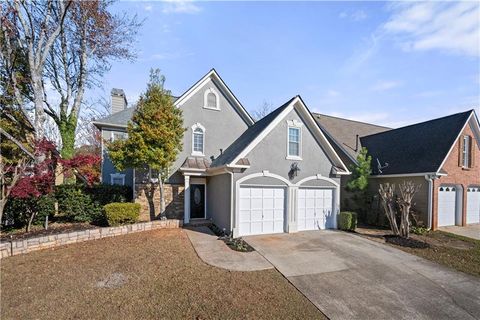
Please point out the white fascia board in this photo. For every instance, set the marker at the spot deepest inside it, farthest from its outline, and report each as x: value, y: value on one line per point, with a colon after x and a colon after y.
x: 214, y: 75
x: 455, y: 142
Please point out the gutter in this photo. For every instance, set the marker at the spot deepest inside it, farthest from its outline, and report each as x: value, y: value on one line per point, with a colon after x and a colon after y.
x: 420, y: 174
x: 430, y: 178
x: 104, y: 124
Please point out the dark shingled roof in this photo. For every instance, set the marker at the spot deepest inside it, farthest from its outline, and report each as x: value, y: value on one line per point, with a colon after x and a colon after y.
x: 247, y: 137
x: 196, y: 163
x: 416, y: 148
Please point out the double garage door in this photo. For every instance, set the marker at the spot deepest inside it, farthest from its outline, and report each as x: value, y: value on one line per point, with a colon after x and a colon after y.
x: 262, y: 210
x: 448, y: 207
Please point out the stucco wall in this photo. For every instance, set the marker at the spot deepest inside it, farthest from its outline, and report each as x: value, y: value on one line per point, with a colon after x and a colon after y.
x: 458, y: 175
x: 218, y: 200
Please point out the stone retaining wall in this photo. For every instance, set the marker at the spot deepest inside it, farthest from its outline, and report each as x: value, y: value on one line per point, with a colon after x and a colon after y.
x: 15, y: 247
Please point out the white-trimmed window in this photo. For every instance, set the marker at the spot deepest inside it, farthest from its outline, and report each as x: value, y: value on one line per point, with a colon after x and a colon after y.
x: 466, y: 151
x: 211, y: 99
x: 118, y: 135
x: 117, y: 178
x: 198, y: 139
x: 294, y: 140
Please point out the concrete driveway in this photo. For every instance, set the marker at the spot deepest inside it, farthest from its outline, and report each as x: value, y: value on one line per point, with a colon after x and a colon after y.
x: 349, y: 277
x: 470, y: 231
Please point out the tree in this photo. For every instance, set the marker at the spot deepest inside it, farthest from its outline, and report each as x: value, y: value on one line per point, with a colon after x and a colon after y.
x: 90, y: 38
x: 262, y: 111
x: 31, y: 27
x: 358, y: 183
x: 390, y: 203
x: 155, y: 135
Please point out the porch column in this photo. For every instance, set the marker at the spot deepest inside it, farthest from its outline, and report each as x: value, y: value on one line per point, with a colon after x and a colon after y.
x: 186, y: 200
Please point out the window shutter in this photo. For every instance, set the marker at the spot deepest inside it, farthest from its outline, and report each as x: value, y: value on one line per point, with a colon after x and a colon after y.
x: 460, y: 152
x: 473, y: 148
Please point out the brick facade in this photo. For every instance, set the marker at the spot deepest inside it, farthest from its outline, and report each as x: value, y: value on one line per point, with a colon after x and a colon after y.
x: 173, y: 201
x: 458, y: 175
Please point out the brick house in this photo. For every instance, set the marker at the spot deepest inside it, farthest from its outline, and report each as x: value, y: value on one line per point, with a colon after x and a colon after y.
x: 441, y: 155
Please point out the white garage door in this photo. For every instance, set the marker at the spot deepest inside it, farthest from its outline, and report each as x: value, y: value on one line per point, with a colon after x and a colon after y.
x: 262, y: 210
x: 446, y: 206
x: 473, y: 205
x: 314, y: 209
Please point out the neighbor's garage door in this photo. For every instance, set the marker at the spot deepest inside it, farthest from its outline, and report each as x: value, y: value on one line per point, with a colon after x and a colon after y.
x: 314, y: 208
x: 262, y: 210
x: 446, y: 206
x: 473, y: 205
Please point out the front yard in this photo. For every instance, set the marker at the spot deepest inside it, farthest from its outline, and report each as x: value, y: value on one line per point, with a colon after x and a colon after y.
x: 454, y: 251
x: 153, y: 274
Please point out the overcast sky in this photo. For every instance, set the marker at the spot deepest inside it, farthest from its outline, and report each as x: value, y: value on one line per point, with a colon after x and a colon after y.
x: 387, y: 63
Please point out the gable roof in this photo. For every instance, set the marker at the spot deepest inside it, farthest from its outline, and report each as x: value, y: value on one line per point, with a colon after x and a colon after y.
x: 212, y: 74
x: 253, y: 135
x: 342, y: 133
x: 417, y: 148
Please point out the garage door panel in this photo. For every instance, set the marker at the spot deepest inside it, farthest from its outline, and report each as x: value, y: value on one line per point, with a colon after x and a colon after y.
x: 313, y: 205
x: 446, y: 206
x: 265, y: 208
x: 473, y: 205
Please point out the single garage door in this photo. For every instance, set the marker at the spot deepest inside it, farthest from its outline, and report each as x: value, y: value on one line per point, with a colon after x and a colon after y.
x: 262, y: 210
x: 473, y: 205
x: 446, y: 206
x: 314, y: 209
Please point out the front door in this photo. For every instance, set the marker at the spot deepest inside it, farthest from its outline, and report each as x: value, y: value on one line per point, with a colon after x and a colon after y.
x: 197, y: 201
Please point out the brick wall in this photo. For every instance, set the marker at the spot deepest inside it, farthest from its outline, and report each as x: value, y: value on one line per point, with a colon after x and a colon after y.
x: 458, y: 176
x: 12, y: 248
x: 173, y: 201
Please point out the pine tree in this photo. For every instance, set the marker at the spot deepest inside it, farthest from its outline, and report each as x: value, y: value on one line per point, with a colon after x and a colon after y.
x: 358, y: 183
x: 155, y: 135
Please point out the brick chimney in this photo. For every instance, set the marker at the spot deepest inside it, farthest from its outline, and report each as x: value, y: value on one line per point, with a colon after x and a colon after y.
x: 119, y: 100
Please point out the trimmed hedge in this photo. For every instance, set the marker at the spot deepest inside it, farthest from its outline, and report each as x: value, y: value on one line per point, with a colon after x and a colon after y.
x: 347, y: 221
x: 103, y: 194
x: 121, y: 213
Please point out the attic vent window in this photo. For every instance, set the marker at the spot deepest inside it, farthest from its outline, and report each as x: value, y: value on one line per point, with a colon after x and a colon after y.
x: 211, y: 99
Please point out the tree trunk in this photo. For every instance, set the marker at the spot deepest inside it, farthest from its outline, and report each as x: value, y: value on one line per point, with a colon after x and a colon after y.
x: 29, y: 225
x: 3, y: 202
x: 162, y: 196
x: 67, y: 128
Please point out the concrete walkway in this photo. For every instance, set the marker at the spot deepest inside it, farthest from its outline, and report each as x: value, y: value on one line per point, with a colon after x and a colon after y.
x: 470, y: 231
x: 216, y: 253
x: 350, y: 277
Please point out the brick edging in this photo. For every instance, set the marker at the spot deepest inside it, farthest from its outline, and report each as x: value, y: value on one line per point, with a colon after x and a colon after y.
x: 16, y: 247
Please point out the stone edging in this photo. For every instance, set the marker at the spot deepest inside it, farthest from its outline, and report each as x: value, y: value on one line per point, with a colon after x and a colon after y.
x: 15, y: 247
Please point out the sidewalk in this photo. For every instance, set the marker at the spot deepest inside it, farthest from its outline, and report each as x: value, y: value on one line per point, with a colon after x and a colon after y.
x: 216, y: 253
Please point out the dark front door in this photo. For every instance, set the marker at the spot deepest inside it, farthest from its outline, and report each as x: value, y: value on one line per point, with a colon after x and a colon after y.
x: 197, y: 201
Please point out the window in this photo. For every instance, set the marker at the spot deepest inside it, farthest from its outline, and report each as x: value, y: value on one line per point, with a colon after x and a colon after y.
x: 198, y: 139
x: 294, y: 142
x: 118, y: 135
x: 466, y: 152
x: 211, y: 100
x: 117, y: 178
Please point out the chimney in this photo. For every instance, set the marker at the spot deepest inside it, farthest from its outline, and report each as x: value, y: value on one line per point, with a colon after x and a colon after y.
x: 119, y: 100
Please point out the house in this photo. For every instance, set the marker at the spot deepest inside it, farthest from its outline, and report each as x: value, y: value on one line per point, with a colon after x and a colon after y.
x: 441, y: 155
x: 279, y: 174
x: 344, y: 135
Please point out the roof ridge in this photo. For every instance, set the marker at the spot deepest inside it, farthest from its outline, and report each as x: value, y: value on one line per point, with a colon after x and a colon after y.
x: 421, y: 123
x: 351, y: 120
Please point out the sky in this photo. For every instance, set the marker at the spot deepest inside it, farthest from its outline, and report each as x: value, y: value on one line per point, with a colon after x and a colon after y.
x: 388, y: 63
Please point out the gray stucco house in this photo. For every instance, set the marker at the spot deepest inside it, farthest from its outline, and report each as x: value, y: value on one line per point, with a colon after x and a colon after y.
x: 279, y: 174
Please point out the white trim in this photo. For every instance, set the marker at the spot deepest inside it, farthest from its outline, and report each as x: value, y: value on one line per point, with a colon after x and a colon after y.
x: 302, y: 109
x: 186, y: 199
x: 408, y: 175
x: 212, y: 74
x: 116, y: 176
x: 265, y: 173
x: 317, y: 177
x: 456, y: 140
x: 193, y: 128
x: 205, y: 99
x: 295, y: 124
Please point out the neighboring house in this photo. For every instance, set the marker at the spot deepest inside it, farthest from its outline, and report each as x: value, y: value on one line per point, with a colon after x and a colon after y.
x: 344, y: 135
x: 441, y: 155
x: 279, y: 174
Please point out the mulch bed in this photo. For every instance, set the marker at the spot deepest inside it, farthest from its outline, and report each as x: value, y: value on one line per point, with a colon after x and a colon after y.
x: 39, y: 231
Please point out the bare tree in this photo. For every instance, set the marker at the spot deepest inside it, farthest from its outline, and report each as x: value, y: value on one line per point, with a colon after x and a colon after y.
x: 262, y: 111
x: 387, y: 195
x: 32, y: 26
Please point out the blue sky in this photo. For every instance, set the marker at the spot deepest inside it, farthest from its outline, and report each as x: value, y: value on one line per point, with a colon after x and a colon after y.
x: 387, y: 63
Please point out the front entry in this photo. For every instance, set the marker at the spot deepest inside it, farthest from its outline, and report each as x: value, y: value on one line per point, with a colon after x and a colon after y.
x: 197, y: 201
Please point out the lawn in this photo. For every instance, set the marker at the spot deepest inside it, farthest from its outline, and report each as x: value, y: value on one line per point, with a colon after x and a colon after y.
x: 151, y: 275
x: 454, y: 251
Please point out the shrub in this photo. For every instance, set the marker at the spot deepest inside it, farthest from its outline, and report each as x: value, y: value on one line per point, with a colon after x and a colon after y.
x: 18, y: 210
x: 75, y: 205
x: 121, y: 213
x: 103, y: 194
x: 419, y: 230
x: 347, y: 221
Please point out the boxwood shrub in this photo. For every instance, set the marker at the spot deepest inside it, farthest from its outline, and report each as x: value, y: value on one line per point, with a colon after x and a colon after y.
x: 121, y: 213
x: 103, y: 194
x: 347, y: 221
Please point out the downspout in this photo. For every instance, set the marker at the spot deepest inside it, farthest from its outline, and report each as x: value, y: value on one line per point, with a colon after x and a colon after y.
x: 231, y: 201
x: 430, y: 178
